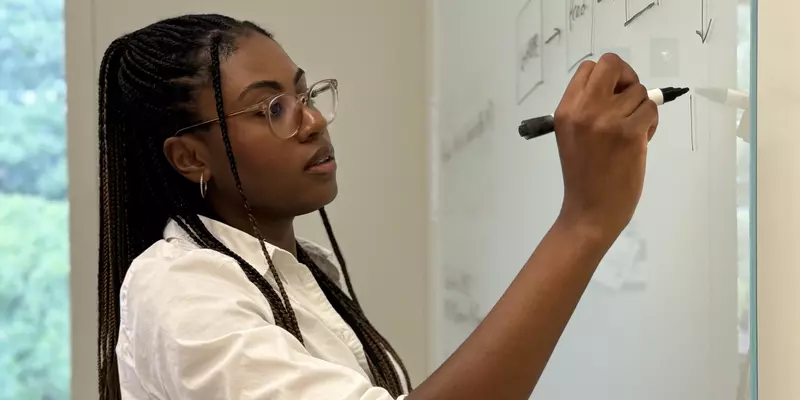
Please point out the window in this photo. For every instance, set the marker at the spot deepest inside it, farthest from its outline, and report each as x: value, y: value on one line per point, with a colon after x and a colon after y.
x: 34, y: 242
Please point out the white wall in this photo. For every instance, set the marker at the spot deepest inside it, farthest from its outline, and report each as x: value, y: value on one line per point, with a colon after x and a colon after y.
x: 778, y: 199
x: 377, y: 51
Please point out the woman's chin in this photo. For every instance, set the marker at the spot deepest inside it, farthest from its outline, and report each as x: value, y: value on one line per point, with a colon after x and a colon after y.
x: 321, y: 197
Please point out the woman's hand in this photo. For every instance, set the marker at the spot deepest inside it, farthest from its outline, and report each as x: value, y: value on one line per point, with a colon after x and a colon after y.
x: 603, y: 125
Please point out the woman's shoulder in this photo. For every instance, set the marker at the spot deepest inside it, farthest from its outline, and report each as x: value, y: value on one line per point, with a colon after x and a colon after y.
x: 171, y: 276
x: 168, y: 256
x: 175, y: 266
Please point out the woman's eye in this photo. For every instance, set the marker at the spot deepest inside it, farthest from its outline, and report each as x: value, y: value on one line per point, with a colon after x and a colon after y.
x: 276, y: 109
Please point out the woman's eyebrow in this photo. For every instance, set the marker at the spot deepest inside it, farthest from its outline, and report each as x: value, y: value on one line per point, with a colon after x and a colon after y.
x: 274, y: 85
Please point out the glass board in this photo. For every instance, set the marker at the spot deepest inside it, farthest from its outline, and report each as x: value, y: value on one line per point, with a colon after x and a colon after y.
x: 667, y: 314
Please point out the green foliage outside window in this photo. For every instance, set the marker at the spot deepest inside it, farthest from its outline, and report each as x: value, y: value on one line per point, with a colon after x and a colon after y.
x: 34, y: 243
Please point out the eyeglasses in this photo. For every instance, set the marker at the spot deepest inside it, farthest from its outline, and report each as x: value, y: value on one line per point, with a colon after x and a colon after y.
x: 284, y: 112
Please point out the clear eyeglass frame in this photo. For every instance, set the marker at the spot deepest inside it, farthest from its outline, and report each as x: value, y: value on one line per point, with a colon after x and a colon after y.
x: 286, y: 125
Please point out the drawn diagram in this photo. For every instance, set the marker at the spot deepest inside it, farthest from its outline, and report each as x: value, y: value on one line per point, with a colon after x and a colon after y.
x: 624, y: 264
x: 580, y: 31
x: 529, y: 49
x: 553, y: 36
x: 479, y: 126
x: 705, y: 22
x: 460, y: 305
x: 636, y: 8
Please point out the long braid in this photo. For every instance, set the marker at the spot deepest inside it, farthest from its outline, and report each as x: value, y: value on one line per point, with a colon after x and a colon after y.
x: 340, y: 258
x: 148, y: 81
x: 375, y: 345
x: 217, y: 82
x: 109, y: 201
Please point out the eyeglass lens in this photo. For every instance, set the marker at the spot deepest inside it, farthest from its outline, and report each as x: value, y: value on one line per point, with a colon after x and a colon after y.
x: 285, y: 113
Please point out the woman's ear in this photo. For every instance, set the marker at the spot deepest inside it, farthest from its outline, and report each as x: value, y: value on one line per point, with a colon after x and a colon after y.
x: 189, y: 156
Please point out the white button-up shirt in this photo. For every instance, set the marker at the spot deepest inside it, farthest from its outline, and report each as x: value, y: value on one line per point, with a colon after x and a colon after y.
x: 194, y: 327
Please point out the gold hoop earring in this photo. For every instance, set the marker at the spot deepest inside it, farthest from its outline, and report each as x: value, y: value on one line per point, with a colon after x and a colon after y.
x: 203, y: 186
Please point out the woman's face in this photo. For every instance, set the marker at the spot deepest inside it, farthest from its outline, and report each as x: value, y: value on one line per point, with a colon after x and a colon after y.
x: 276, y: 173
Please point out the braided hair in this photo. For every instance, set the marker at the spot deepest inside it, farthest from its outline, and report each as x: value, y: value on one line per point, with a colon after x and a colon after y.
x: 148, y: 83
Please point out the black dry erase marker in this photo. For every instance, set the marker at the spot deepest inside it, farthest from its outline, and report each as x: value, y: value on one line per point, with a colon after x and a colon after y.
x: 539, y: 126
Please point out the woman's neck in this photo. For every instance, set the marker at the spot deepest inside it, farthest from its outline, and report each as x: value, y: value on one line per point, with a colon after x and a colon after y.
x: 278, y: 232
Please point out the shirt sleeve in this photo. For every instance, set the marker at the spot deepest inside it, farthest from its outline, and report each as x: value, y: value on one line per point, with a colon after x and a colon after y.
x: 199, y: 336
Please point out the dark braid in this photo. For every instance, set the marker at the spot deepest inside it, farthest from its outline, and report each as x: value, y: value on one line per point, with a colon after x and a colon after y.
x: 223, y: 125
x: 148, y: 83
x: 340, y: 258
x: 375, y: 345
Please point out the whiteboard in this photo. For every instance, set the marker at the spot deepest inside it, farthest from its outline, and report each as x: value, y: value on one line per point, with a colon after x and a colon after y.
x: 661, y: 318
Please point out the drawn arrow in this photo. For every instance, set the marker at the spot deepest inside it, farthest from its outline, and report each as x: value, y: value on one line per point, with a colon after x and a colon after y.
x: 640, y: 13
x: 705, y: 29
x: 556, y: 33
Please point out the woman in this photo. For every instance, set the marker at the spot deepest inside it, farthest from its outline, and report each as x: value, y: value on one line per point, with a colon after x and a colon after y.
x: 212, y: 141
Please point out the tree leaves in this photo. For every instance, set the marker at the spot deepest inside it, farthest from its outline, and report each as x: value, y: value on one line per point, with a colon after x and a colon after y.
x: 34, y: 241
x: 32, y: 98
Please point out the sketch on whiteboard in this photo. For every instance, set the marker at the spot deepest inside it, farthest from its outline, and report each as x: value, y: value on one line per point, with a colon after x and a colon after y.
x: 624, y: 264
x: 693, y: 122
x: 556, y: 34
x: 636, y: 276
x: 636, y: 8
x: 478, y: 127
x: 460, y: 305
x: 705, y: 22
x: 529, y: 49
x: 580, y: 31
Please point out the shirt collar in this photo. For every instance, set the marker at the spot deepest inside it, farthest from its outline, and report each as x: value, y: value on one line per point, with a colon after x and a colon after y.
x: 247, y: 247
